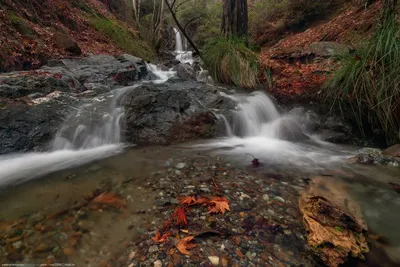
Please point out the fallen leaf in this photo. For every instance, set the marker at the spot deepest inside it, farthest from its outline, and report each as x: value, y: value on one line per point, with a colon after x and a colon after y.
x: 109, y: 199
x: 160, y: 238
x: 186, y: 200
x: 201, y: 201
x: 221, y: 204
x: 180, y: 216
x: 184, y: 231
x: 185, y: 244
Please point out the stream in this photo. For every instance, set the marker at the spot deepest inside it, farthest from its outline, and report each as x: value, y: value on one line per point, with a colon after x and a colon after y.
x: 88, y: 151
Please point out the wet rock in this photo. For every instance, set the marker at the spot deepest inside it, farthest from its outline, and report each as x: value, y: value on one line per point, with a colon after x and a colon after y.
x: 180, y: 165
x: 160, y: 114
x: 265, y: 197
x: 153, y: 249
x: 157, y: 263
x: 375, y: 156
x: 185, y: 71
x: 289, y: 130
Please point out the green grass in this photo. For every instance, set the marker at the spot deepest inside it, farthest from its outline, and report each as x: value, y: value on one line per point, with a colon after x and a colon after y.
x: 123, y: 38
x: 368, y: 83
x: 231, y: 62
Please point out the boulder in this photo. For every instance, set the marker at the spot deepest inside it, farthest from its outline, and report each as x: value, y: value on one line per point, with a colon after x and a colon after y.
x: 64, y: 41
x: 161, y: 114
x: 393, y: 151
x: 375, y: 156
x: 328, y: 49
x: 289, y: 130
x: 185, y: 71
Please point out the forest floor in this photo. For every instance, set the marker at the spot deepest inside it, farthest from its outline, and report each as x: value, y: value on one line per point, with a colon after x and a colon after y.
x: 299, y: 72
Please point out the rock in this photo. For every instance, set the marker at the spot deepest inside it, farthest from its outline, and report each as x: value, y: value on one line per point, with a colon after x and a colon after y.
x: 289, y: 130
x: 279, y: 199
x: 393, y: 151
x: 17, y: 245
x: 225, y: 262
x: 333, y: 222
x: 328, y: 49
x: 64, y: 41
x: 185, y: 71
x: 265, y: 197
x: 214, y: 260
x: 180, y: 165
x: 375, y: 156
x: 153, y: 249
x: 157, y: 263
x: 160, y: 114
x: 37, y: 102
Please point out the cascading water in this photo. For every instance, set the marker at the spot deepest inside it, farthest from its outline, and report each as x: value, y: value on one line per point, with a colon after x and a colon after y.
x: 92, y: 133
x: 182, y: 54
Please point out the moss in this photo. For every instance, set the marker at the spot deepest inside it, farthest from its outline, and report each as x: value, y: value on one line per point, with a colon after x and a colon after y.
x: 20, y: 24
x: 122, y: 37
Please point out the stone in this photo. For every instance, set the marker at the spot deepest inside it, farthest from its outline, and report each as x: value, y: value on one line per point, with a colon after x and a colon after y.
x: 180, y: 165
x: 265, y: 197
x: 64, y: 41
x: 328, y: 49
x: 393, y: 151
x: 157, y: 263
x: 214, y: 260
x: 153, y: 249
x: 279, y: 199
x: 185, y: 71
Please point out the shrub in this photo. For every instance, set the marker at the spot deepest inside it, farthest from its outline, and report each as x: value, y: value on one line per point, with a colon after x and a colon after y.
x: 369, y: 83
x: 124, y: 38
x: 230, y: 61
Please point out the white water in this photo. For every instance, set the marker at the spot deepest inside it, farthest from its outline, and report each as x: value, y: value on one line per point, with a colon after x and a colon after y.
x: 92, y: 133
x: 258, y: 128
x: 182, y: 54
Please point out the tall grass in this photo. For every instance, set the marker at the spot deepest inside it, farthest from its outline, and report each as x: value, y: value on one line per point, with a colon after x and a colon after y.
x: 122, y: 37
x: 229, y: 61
x: 369, y: 83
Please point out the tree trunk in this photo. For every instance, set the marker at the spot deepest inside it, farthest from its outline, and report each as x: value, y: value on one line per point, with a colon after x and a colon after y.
x: 235, y: 19
x: 389, y: 10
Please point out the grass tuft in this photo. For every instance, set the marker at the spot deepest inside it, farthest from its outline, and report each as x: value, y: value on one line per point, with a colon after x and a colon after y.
x: 229, y: 61
x: 369, y: 83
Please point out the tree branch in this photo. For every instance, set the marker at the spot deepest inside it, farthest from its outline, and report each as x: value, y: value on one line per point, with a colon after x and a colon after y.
x: 193, y: 19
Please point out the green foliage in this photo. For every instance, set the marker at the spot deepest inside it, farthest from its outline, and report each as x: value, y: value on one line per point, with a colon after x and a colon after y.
x: 230, y: 61
x: 121, y: 36
x: 369, y: 83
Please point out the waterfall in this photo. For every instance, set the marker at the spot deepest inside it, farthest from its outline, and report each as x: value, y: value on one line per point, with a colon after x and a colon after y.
x: 178, y: 41
x: 181, y: 46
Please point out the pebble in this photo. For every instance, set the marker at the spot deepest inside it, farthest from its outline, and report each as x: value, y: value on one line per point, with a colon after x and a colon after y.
x: 280, y: 199
x: 17, y: 244
x: 214, y: 260
x: 265, y: 197
x: 157, y: 263
x: 180, y: 165
x: 153, y: 249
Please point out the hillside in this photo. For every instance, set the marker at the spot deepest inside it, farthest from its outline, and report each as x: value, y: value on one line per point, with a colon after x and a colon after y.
x: 32, y: 31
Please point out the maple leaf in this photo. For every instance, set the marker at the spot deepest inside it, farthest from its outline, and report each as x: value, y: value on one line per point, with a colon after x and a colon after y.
x: 221, y: 204
x: 158, y: 238
x: 186, y: 200
x: 110, y: 199
x: 180, y: 216
x: 201, y: 201
x: 185, y: 244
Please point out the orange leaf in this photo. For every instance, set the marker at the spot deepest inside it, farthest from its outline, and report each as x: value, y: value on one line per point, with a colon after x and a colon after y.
x: 160, y: 238
x: 221, y: 204
x: 185, y: 244
x: 109, y: 199
x: 180, y: 216
x: 201, y: 201
x: 186, y: 200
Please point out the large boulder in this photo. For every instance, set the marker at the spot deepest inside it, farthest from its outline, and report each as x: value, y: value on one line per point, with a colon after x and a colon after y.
x: 64, y: 41
x: 185, y: 71
x: 34, y: 104
x: 328, y: 49
x: 160, y: 114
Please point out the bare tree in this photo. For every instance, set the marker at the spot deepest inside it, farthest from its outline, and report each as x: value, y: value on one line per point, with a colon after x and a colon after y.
x: 173, y: 7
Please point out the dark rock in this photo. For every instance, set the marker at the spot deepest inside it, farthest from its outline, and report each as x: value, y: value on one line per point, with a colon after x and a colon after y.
x: 185, y: 71
x: 393, y: 151
x: 160, y: 114
x: 66, y: 42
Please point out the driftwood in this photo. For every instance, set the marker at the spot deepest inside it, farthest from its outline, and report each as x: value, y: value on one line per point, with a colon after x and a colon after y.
x: 333, y: 222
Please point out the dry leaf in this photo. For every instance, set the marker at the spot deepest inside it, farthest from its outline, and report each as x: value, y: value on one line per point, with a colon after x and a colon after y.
x: 201, y: 201
x: 160, y: 238
x: 221, y: 204
x: 180, y: 216
x: 186, y: 200
x: 109, y: 199
x: 185, y: 244
x: 184, y: 231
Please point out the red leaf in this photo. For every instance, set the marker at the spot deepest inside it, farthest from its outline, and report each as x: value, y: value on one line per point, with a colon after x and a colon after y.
x: 180, y: 216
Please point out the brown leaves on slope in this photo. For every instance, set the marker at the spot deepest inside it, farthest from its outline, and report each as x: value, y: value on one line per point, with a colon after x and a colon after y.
x: 184, y: 244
